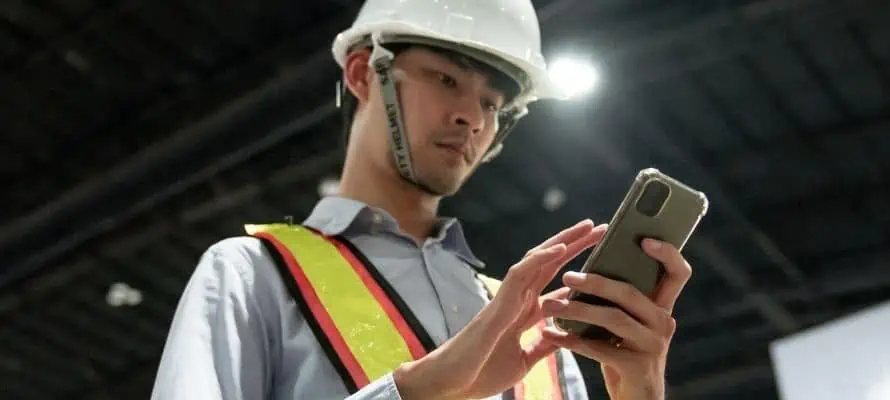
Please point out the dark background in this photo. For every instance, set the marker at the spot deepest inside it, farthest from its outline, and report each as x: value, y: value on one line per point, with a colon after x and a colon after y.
x: 136, y: 133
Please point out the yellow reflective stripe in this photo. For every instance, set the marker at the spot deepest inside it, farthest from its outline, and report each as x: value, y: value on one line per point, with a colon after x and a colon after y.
x: 538, y: 383
x: 366, y: 328
x: 490, y: 283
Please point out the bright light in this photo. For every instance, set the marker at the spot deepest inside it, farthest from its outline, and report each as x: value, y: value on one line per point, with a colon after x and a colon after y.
x: 573, y: 77
x: 121, y: 294
x: 329, y: 187
x: 554, y: 198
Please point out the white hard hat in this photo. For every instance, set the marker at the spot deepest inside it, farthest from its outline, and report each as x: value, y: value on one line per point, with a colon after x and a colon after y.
x: 501, y: 33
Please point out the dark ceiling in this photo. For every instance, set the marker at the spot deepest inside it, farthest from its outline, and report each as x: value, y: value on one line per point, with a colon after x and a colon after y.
x: 136, y: 133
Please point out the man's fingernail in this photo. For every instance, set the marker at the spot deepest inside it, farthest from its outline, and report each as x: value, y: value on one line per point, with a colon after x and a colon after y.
x: 573, y: 278
x: 556, y: 333
x: 653, y: 244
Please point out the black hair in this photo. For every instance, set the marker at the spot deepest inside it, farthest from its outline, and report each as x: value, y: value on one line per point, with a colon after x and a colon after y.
x: 496, y: 78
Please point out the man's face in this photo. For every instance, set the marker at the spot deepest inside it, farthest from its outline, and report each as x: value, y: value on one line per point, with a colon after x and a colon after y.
x: 450, y: 115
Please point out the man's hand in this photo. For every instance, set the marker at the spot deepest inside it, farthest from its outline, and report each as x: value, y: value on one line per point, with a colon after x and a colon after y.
x: 486, y: 357
x: 635, y: 369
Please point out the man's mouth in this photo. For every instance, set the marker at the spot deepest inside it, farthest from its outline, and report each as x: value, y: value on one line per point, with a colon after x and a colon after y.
x: 457, y: 149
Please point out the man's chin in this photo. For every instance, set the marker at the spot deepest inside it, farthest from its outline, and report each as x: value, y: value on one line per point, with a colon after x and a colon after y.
x: 439, y: 191
x: 439, y: 187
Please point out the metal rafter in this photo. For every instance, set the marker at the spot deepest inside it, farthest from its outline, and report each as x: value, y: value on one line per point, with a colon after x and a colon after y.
x: 732, y: 272
x: 180, y: 144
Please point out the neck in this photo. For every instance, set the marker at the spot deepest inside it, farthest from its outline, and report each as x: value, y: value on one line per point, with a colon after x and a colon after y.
x: 414, y: 210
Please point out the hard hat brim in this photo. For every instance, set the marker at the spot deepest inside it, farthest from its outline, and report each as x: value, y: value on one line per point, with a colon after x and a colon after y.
x: 533, y: 79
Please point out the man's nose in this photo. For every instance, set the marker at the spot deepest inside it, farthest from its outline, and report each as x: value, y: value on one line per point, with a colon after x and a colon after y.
x: 470, y: 115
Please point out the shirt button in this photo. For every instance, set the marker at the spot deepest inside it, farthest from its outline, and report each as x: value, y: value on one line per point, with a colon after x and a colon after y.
x: 454, y: 308
x: 377, y: 219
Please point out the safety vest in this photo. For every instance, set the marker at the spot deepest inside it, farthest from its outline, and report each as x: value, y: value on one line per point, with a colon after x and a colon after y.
x: 364, y: 326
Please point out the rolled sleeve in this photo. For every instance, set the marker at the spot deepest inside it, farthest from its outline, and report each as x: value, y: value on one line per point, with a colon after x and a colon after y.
x: 215, y: 348
x: 383, y: 388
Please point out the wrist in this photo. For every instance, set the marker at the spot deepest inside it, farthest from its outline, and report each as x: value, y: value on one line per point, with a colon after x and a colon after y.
x: 405, y: 381
x: 642, y: 390
x: 414, y: 380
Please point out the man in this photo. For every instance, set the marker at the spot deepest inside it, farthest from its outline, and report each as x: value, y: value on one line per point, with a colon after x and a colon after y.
x: 429, y: 86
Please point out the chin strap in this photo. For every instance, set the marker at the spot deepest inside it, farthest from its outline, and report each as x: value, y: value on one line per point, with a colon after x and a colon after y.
x: 381, y: 60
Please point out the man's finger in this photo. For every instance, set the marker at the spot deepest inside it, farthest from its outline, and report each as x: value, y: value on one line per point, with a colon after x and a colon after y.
x: 585, y: 242
x: 539, y: 313
x: 515, y: 292
x: 598, y: 350
x: 558, y: 294
x: 573, y: 250
x: 523, y: 276
x: 677, y: 272
x: 566, y: 235
x: 626, y: 296
x: 539, y: 349
x: 615, y: 320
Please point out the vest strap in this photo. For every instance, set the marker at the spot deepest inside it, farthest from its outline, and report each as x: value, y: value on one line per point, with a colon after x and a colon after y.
x: 364, y: 326
x: 349, y: 307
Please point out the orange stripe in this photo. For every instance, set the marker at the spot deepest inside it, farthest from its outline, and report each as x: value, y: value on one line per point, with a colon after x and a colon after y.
x: 411, y: 340
x: 555, y: 389
x: 550, y: 387
x: 320, y: 313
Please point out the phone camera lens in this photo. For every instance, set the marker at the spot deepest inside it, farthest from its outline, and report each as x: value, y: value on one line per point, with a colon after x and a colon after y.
x: 654, y: 196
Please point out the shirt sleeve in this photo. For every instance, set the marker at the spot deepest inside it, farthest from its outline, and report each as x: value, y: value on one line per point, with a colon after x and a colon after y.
x: 215, y: 347
x: 384, y: 388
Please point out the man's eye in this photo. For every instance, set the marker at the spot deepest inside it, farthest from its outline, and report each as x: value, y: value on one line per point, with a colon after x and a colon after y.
x: 490, y: 106
x: 447, y: 80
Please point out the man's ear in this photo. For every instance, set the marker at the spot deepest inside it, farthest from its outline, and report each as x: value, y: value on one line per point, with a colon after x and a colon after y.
x: 357, y: 74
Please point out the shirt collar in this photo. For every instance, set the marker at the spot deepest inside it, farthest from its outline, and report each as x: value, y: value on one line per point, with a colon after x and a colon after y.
x: 335, y: 215
x: 451, y: 232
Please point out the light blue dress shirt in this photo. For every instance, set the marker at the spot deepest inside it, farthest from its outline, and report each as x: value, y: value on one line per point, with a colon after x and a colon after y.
x: 238, y: 334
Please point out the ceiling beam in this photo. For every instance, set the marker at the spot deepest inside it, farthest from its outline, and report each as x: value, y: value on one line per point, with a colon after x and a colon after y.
x: 288, y: 88
x: 737, y: 277
x: 34, y: 227
x: 68, y: 29
x: 632, y: 63
x: 729, y: 269
x: 33, y: 290
x: 272, y: 102
x: 690, y: 356
x: 869, y: 276
x: 855, y: 130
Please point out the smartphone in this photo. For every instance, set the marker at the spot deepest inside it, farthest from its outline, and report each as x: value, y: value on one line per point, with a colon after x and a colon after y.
x: 656, y: 206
